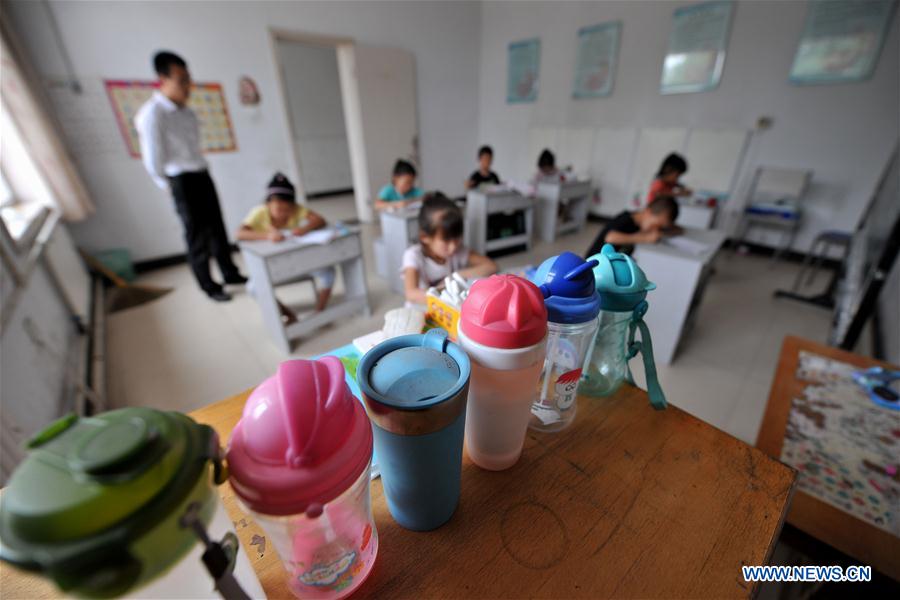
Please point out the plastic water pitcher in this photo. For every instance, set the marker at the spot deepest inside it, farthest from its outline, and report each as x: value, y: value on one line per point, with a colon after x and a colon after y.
x: 503, y: 329
x: 415, y: 387
x: 622, y: 287
x: 299, y: 460
x: 125, y: 504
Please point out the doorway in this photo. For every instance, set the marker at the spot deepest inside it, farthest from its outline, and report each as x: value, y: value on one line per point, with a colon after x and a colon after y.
x: 352, y: 110
x: 312, y: 91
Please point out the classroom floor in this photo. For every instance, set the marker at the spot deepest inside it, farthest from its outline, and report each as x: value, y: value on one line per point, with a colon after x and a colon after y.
x: 184, y: 351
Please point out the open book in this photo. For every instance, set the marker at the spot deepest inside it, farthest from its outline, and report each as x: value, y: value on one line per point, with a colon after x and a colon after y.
x: 318, y: 237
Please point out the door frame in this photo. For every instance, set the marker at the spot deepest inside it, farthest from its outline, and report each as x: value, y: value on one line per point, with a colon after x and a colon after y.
x: 345, y: 49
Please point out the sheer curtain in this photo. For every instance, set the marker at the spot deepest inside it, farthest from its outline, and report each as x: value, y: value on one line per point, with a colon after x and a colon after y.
x: 23, y: 110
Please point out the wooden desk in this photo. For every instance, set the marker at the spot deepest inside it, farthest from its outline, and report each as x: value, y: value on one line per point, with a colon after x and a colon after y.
x: 481, y: 204
x: 277, y: 263
x: 861, y: 540
x: 562, y: 207
x: 680, y: 278
x: 628, y: 502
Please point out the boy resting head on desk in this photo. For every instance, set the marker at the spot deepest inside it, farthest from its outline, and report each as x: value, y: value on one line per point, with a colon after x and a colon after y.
x: 440, y: 251
x: 278, y: 218
x: 646, y: 226
x: 402, y: 189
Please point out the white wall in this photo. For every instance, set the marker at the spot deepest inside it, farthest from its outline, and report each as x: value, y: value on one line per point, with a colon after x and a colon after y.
x: 844, y: 133
x: 317, y: 121
x: 222, y: 41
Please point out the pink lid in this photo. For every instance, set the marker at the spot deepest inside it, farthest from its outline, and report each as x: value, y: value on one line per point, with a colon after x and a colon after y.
x: 303, y: 439
x: 504, y: 311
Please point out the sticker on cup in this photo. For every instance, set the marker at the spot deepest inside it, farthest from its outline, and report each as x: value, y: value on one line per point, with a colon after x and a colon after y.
x: 566, y: 388
x: 328, y: 575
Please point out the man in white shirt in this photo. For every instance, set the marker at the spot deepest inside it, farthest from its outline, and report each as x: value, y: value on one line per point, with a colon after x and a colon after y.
x: 170, y: 146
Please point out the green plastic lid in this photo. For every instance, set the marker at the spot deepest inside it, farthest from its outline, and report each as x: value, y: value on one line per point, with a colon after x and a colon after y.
x: 90, y: 487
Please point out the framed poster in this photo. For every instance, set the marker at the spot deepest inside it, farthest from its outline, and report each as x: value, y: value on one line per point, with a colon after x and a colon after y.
x: 841, y: 40
x: 595, y: 66
x: 207, y: 101
x: 697, y: 44
x: 522, y: 76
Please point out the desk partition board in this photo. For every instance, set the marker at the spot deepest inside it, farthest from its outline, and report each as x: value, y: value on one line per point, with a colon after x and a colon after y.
x: 653, y: 146
x: 714, y: 156
x: 207, y: 101
x: 613, y: 150
x: 841, y: 40
x: 844, y: 446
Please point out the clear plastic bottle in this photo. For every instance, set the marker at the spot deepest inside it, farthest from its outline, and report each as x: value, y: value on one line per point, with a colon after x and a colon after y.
x: 622, y: 288
x: 607, y: 366
x: 567, y: 284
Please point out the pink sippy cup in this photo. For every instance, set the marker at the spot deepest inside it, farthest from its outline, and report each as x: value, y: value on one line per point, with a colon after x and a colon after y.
x: 299, y: 461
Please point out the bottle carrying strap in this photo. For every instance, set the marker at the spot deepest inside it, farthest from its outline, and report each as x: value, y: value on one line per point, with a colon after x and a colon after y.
x: 645, y: 347
x: 219, y: 557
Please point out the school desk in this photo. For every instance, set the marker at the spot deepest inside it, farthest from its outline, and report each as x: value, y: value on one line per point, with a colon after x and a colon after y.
x: 481, y: 204
x: 399, y: 231
x: 628, y: 502
x: 562, y: 207
x: 679, y: 267
x: 271, y: 264
x: 814, y: 510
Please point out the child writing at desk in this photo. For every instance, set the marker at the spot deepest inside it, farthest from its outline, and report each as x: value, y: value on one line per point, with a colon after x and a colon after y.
x: 484, y: 175
x: 646, y: 226
x: 279, y: 217
x: 440, y: 251
x: 401, y: 190
x: 666, y: 182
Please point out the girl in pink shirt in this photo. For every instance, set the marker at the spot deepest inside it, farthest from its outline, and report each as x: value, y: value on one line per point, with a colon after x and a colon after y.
x: 666, y: 181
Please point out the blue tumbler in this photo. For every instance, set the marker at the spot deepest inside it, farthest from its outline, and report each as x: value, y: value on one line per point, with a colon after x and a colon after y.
x: 415, y: 389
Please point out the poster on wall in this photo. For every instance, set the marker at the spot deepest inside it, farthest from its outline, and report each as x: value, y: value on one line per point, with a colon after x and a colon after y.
x: 522, y: 76
x: 595, y: 66
x: 207, y: 101
x: 697, y: 43
x: 841, y: 40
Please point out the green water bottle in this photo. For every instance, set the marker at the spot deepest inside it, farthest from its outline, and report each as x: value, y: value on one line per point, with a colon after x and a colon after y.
x: 622, y: 287
x: 125, y: 504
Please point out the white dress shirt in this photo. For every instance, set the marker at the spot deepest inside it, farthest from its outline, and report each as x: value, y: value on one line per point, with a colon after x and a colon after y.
x: 170, y: 139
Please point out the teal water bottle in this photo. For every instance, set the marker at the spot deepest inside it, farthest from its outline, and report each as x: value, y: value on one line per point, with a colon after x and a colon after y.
x: 622, y: 287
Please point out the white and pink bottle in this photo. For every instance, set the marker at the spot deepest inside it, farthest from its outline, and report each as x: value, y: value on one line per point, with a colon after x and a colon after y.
x: 503, y: 329
x: 299, y: 460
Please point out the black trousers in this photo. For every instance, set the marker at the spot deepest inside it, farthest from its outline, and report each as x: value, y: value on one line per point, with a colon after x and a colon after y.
x: 204, y: 232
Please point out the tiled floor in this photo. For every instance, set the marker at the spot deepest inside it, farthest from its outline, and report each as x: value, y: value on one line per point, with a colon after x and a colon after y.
x: 184, y: 351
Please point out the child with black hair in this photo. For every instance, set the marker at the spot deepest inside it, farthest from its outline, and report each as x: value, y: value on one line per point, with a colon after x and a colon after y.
x: 278, y: 217
x: 440, y: 251
x: 483, y: 175
x: 666, y: 181
x: 646, y: 226
x: 401, y: 190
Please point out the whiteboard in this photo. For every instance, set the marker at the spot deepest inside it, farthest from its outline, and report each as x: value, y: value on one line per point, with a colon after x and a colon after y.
x: 714, y: 157
x: 653, y: 146
x: 612, y: 152
x: 538, y: 139
x: 575, y: 150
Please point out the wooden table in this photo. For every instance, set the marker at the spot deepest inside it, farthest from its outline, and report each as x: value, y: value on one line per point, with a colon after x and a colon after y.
x: 278, y: 263
x: 629, y: 502
x: 861, y: 540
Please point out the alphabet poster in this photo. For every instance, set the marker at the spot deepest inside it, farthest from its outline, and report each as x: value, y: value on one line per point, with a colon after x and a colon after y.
x: 207, y: 101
